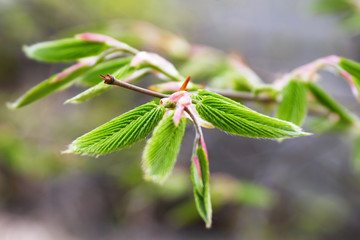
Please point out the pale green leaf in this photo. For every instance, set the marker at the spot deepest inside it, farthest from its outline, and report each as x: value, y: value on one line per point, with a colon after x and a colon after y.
x: 331, y: 104
x: 240, y: 120
x: 56, y: 82
x: 353, y: 68
x: 122, y: 74
x: 201, y: 186
x: 205, y: 93
x: 63, y: 50
x: 89, y: 93
x: 293, y: 105
x: 162, y: 149
x: 107, y: 67
x: 120, y: 132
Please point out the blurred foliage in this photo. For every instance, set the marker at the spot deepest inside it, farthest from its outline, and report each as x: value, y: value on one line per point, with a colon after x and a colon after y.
x: 348, y: 12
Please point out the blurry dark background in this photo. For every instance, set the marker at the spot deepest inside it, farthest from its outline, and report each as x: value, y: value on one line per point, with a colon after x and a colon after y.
x: 300, y: 189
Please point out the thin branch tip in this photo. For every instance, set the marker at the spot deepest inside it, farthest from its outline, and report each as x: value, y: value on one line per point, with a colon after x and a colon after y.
x: 108, y: 79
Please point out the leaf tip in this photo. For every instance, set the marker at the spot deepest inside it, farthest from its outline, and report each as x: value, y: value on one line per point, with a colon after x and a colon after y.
x: 154, y: 178
x: 26, y: 49
x: 71, y: 101
x: 208, y: 224
x: 12, y: 105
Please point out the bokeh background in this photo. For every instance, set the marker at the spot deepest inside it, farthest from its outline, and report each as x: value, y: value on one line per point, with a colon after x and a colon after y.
x: 301, y: 189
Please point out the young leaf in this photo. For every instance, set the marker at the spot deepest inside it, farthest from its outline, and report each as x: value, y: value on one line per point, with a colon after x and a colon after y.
x: 107, y: 67
x: 162, y: 149
x: 69, y: 49
x: 205, y: 93
x: 240, y: 120
x: 200, y: 177
x: 352, y: 68
x: 293, y: 107
x: 126, y: 73
x: 54, y: 83
x: 119, y: 132
x: 331, y: 104
x: 155, y: 61
x: 89, y: 93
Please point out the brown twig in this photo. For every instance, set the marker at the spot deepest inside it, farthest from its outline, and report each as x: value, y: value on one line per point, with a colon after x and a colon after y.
x: 111, y: 80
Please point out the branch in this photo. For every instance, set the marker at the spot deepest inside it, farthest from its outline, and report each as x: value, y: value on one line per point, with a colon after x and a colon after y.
x: 197, y: 125
x: 246, y: 96
x: 111, y: 80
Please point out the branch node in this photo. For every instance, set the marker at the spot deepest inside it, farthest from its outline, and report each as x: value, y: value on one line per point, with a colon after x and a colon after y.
x: 108, y: 79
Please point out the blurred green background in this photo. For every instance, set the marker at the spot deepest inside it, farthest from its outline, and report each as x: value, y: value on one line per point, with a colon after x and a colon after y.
x: 300, y: 189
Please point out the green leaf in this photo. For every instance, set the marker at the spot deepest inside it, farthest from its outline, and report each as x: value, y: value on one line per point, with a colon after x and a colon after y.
x: 89, y: 93
x: 56, y: 82
x: 201, y: 185
x: 353, y: 68
x: 69, y: 49
x: 237, y: 119
x: 107, y: 67
x: 162, y: 149
x: 205, y: 93
x: 293, y: 105
x: 331, y: 104
x: 122, y: 74
x: 120, y: 132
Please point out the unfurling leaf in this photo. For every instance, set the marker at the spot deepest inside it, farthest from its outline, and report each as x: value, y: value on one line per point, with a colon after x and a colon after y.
x: 293, y: 107
x: 200, y: 176
x: 352, y: 74
x: 108, y: 67
x: 162, y: 149
x: 89, y: 93
x: 69, y: 49
x: 125, y: 73
x: 55, y: 83
x: 237, y: 119
x: 155, y: 61
x: 120, y: 132
x: 331, y: 104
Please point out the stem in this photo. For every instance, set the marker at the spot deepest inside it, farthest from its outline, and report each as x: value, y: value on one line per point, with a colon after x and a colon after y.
x: 111, y: 80
x: 243, y: 96
x: 197, y: 125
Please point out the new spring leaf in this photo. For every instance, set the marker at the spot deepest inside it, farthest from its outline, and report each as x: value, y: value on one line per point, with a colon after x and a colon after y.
x: 54, y: 83
x: 331, y: 104
x: 200, y: 177
x: 122, y: 74
x: 292, y: 107
x: 108, y: 67
x: 237, y: 119
x: 120, y: 132
x: 162, y: 149
x: 69, y: 49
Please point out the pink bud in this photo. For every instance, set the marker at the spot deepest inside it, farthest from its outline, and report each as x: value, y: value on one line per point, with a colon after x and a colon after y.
x: 183, y: 102
x: 178, y: 114
x: 176, y: 96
